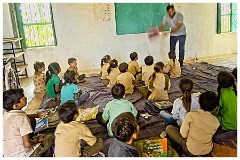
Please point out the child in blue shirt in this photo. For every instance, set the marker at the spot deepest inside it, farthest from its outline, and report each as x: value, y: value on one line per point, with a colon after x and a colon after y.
x: 115, y: 107
x: 70, y: 90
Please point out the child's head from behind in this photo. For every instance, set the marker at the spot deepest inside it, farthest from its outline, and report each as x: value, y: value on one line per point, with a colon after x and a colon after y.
x: 72, y: 62
x: 69, y: 76
x: 234, y: 72
x: 68, y: 111
x: 172, y: 55
x: 125, y: 127
x: 158, y: 67
x: 118, y: 91
x: 105, y: 59
x: 186, y: 86
x: 14, y: 99
x: 123, y: 67
x: 208, y: 101
x: 113, y: 63
x: 54, y: 68
x: 225, y: 79
x: 148, y: 60
x: 39, y: 66
x: 134, y: 56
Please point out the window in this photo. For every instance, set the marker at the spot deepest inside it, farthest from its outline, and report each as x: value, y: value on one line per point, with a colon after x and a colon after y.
x: 227, y: 17
x: 35, y: 24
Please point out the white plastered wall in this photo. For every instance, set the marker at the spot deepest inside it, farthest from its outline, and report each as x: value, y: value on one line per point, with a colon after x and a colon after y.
x: 83, y: 31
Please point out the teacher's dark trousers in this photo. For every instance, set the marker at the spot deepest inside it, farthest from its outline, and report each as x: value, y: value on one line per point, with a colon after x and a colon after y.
x: 173, y: 41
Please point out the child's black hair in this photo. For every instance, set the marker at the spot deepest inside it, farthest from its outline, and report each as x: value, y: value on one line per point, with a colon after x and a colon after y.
x: 186, y: 86
x: 123, y: 67
x: 234, y: 72
x: 112, y: 64
x: 157, y: 68
x: 69, y: 77
x: 208, y: 101
x: 133, y: 55
x: 37, y: 65
x: 51, y: 69
x: 148, y: 60
x: 172, y: 55
x: 71, y: 60
x: 12, y: 97
x: 67, y: 111
x: 118, y: 91
x: 105, y: 59
x: 225, y: 80
x: 124, y: 126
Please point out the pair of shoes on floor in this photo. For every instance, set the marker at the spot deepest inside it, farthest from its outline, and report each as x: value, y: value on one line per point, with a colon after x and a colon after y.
x: 99, y: 154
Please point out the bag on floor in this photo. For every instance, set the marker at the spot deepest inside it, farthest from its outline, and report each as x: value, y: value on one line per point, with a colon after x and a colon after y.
x: 155, y: 106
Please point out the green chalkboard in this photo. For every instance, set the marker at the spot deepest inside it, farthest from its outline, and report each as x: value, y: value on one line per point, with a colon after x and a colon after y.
x: 132, y: 18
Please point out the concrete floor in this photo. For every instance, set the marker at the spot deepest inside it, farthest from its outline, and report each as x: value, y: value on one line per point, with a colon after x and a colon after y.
x: 222, y: 60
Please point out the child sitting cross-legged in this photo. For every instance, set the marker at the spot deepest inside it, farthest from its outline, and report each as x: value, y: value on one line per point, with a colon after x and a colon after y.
x: 70, y: 90
x: 134, y: 68
x: 39, y: 80
x: 198, y: 127
x: 115, y: 107
x: 73, y: 67
x: 147, y: 70
x: 173, y: 66
x: 113, y: 72
x: 104, y: 67
x: 53, y: 87
x: 126, y: 78
x: 125, y: 130
x: 181, y: 106
x: 159, y: 83
x: 74, y: 139
x: 18, y: 128
x: 227, y: 96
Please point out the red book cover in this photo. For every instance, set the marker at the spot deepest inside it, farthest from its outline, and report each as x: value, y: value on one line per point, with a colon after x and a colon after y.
x: 153, y: 33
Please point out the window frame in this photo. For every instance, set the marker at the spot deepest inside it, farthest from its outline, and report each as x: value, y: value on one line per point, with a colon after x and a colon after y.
x: 219, y: 21
x: 21, y: 31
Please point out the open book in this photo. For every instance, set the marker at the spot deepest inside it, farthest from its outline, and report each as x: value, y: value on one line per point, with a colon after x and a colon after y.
x: 153, y: 147
x: 163, y: 104
x: 41, y: 124
x: 87, y: 114
x: 197, y: 94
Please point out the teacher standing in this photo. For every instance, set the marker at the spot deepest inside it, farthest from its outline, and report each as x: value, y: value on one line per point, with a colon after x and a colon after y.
x: 178, y: 30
